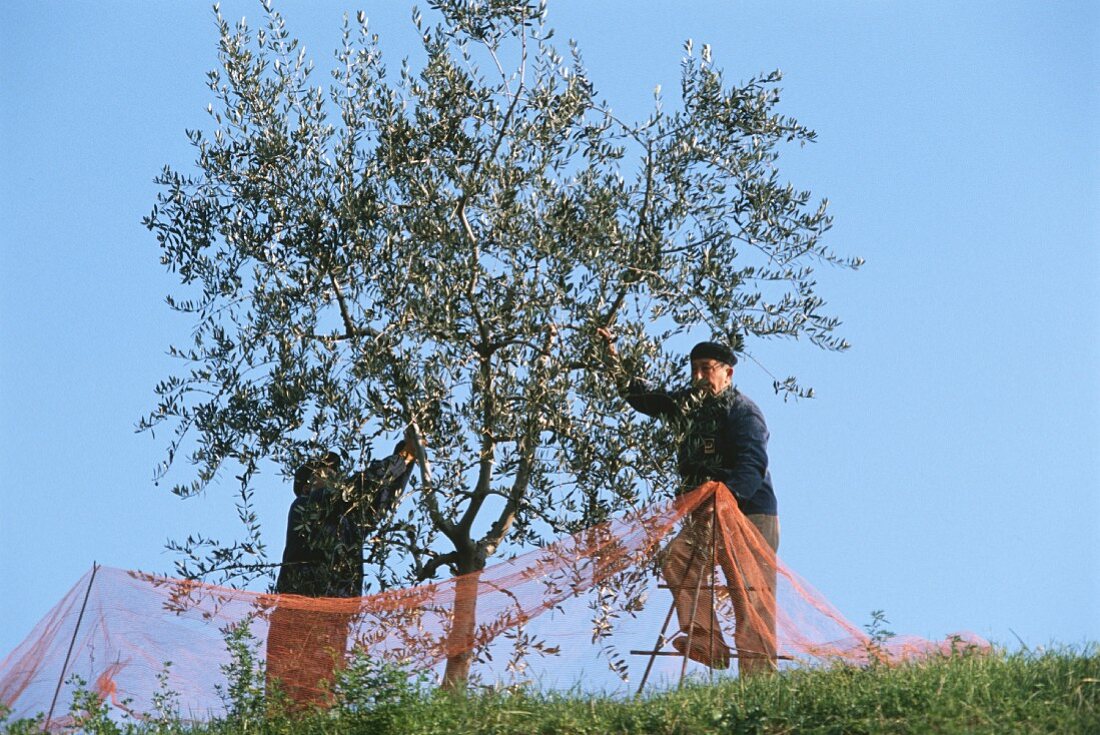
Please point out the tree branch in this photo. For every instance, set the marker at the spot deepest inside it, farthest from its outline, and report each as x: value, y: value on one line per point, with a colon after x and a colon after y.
x: 525, y: 447
x: 488, y: 449
x: 427, y: 489
x: 428, y: 570
x: 350, y: 330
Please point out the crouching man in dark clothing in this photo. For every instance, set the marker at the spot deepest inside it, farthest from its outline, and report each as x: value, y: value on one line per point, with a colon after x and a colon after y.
x: 332, y: 517
x: 723, y: 438
x: 328, y: 525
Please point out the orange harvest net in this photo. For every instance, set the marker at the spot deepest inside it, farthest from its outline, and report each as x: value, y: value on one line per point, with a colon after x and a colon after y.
x: 585, y: 613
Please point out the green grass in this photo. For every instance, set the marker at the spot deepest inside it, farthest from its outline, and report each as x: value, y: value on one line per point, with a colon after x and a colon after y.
x: 1055, y: 691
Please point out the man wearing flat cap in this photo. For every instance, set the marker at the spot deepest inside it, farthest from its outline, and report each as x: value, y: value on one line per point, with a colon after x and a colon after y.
x: 723, y: 438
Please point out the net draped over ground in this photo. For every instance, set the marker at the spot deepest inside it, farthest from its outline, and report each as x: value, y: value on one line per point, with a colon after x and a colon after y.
x: 564, y: 616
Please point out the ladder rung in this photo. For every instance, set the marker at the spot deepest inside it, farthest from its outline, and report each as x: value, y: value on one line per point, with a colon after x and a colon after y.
x: 689, y: 587
x: 731, y: 655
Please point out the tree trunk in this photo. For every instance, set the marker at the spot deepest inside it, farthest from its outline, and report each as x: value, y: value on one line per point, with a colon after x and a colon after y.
x: 460, y: 643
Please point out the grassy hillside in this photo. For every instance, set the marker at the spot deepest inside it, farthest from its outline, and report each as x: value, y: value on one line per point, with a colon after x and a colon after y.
x: 1038, y: 692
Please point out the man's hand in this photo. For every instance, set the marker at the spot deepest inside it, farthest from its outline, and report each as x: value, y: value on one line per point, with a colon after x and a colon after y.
x: 609, y: 341
x: 412, y: 443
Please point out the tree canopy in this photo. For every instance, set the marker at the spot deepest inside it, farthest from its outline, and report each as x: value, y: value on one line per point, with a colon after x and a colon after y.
x: 438, y: 246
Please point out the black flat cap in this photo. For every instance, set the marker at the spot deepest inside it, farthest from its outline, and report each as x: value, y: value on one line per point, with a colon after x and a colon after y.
x: 713, y: 351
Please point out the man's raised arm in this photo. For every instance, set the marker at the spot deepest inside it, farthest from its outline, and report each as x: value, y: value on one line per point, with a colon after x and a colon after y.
x: 641, y: 396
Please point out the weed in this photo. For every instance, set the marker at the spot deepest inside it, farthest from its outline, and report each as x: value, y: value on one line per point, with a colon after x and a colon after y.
x: 244, y: 691
x: 90, y: 713
x: 878, y: 636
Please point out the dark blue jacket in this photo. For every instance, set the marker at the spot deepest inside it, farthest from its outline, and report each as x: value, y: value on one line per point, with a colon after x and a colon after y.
x: 724, y: 438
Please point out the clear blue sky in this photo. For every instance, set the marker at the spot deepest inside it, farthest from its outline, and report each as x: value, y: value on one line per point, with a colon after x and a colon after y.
x: 947, y: 473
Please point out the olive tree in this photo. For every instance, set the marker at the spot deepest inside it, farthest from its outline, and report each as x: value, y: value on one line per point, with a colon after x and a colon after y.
x: 437, y: 247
